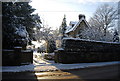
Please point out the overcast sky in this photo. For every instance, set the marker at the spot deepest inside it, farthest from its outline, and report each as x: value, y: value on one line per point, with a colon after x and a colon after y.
x: 52, y: 11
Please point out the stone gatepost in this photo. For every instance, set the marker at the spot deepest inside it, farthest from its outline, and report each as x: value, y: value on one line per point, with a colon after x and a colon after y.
x: 17, y: 53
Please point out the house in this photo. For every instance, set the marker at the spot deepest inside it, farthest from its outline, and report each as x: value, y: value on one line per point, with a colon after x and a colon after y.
x: 76, y: 27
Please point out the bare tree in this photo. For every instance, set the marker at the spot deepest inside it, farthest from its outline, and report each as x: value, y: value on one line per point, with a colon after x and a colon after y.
x: 104, y: 17
x: 48, y: 35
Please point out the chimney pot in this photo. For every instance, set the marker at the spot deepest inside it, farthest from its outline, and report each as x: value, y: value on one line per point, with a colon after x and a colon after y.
x: 81, y: 16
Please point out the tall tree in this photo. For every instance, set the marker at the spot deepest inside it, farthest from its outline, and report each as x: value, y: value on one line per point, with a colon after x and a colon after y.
x: 8, y: 27
x: 102, y: 20
x: 63, y: 27
x: 46, y: 33
x: 18, y: 23
x: 104, y: 17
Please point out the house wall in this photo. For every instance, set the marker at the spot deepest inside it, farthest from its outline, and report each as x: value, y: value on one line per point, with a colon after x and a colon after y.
x: 71, y: 34
x: 58, y: 43
x: 78, y: 30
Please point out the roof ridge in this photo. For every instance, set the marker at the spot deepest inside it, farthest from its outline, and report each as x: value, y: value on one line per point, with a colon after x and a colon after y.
x: 75, y: 26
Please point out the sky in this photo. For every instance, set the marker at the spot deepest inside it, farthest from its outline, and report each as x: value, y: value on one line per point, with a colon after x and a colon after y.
x: 52, y: 12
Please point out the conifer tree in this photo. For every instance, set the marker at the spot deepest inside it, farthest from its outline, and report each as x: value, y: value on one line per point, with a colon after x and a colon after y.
x: 63, y: 27
x: 17, y: 24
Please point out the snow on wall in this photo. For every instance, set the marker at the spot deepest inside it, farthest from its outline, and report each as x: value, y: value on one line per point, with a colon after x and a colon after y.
x: 90, y: 40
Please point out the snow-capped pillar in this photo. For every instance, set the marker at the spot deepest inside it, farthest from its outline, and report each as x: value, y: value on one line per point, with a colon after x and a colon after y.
x: 17, y: 49
x: 59, y: 55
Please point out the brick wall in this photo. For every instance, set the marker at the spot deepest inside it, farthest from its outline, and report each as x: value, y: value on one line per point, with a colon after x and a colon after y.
x: 76, y: 51
x: 16, y: 57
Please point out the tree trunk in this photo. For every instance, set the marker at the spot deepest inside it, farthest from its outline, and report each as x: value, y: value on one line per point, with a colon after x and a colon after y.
x: 47, y: 46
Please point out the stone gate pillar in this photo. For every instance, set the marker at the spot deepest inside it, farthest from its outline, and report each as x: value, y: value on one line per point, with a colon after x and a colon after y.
x: 17, y: 53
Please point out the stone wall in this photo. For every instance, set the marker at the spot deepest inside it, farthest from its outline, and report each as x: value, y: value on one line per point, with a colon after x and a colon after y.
x: 79, y: 50
x: 16, y: 57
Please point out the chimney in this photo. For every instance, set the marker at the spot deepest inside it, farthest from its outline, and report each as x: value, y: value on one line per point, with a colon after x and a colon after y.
x: 81, y: 16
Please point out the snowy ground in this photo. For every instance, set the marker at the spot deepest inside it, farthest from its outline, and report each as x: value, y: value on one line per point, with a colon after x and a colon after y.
x: 40, y: 64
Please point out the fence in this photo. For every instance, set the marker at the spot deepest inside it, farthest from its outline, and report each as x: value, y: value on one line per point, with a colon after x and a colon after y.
x: 79, y: 50
x: 16, y: 57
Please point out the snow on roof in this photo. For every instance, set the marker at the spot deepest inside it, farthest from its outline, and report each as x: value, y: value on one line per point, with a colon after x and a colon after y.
x: 76, y: 25
x: 68, y: 28
x: 73, y: 22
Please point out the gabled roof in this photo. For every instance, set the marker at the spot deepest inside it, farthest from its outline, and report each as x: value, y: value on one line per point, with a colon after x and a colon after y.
x: 70, y: 28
